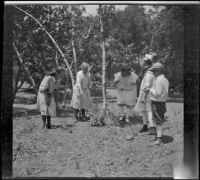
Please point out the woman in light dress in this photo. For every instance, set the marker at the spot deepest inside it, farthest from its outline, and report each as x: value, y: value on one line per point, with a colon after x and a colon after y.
x: 81, y: 100
x: 126, y: 86
x: 45, y: 100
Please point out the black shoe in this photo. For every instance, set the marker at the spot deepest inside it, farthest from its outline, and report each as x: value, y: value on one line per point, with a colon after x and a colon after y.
x: 152, y: 131
x: 144, y: 129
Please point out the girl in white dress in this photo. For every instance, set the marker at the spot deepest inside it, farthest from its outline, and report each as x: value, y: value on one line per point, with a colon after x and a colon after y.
x: 45, y: 99
x: 81, y: 99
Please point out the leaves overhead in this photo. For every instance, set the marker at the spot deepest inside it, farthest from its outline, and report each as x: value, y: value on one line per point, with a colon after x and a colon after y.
x: 128, y: 35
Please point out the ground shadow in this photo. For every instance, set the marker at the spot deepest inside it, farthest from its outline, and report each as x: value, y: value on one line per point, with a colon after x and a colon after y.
x: 22, y: 111
x: 65, y: 127
x: 167, y: 139
x: 132, y: 121
x: 25, y: 100
x: 63, y: 112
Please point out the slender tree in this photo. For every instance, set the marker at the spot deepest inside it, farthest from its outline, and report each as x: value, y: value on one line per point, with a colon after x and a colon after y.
x: 103, y: 62
x: 22, y: 65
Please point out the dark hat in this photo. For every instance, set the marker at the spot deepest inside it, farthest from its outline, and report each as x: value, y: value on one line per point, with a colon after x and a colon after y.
x: 52, y: 72
x: 56, y: 71
x: 125, y: 67
x: 156, y: 66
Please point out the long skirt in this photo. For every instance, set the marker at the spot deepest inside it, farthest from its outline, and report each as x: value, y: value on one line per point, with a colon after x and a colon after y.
x: 158, y: 110
x: 81, y: 101
x: 127, y: 97
x: 42, y: 105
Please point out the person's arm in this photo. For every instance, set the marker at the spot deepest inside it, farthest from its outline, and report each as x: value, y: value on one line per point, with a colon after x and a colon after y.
x: 149, y: 78
x: 52, y: 86
x: 115, y: 82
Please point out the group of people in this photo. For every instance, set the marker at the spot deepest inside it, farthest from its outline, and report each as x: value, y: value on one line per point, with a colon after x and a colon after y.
x: 152, y: 93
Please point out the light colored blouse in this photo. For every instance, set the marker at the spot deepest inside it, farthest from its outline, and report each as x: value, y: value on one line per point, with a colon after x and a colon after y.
x: 147, y: 81
x: 83, y: 80
x: 159, y: 91
x: 125, y: 83
x: 48, y: 84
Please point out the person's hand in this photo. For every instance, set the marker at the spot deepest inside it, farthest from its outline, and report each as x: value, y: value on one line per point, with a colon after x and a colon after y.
x: 146, y: 90
x: 115, y: 83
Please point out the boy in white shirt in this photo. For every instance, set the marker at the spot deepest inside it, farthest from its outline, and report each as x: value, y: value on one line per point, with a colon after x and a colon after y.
x: 158, y: 95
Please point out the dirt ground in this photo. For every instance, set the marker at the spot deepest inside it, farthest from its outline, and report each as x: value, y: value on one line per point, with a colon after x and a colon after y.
x: 79, y: 150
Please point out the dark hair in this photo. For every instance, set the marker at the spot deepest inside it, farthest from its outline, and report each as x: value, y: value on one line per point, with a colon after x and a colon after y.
x: 56, y: 71
x: 155, y: 58
x: 52, y: 72
x: 125, y: 70
x: 148, y: 62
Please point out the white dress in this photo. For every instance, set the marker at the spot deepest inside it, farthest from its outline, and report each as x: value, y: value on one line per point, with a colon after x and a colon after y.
x: 126, y: 89
x: 147, y: 81
x: 81, y: 101
x: 47, y: 87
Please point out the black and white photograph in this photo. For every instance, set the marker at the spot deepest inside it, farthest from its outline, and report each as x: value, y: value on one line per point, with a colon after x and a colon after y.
x: 96, y: 90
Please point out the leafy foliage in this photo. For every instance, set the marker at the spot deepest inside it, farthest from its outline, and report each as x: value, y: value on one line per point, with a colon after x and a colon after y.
x: 129, y: 34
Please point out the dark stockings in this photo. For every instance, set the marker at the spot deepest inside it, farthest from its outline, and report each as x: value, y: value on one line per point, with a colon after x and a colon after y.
x: 76, y: 111
x: 44, y: 121
x: 48, y: 122
x: 83, y: 112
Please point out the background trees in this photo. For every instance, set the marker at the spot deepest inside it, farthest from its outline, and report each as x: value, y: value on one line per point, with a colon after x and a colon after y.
x: 128, y: 35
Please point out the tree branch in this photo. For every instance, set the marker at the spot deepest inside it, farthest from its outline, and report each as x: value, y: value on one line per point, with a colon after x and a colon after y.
x: 25, y: 68
x: 52, y: 39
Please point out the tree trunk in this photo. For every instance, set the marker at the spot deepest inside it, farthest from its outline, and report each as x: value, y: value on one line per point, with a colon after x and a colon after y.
x: 53, y: 41
x: 21, y: 84
x: 103, y: 63
x: 73, y: 47
x: 66, y: 87
x: 25, y: 69
x: 16, y: 75
x: 56, y: 59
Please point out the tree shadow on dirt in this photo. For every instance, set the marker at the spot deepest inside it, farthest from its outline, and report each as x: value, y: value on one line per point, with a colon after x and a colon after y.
x: 22, y: 111
x: 132, y: 121
x: 63, y: 127
x: 64, y: 112
x: 167, y: 139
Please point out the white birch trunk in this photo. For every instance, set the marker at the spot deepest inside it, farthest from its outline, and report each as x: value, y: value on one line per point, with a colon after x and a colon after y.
x: 103, y: 63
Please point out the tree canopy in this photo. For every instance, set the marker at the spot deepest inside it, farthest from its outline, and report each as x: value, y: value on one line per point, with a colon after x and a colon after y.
x: 128, y: 35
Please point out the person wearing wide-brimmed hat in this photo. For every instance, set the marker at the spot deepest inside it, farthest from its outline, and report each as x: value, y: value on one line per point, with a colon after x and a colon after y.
x: 126, y: 86
x: 81, y: 99
x: 45, y: 99
x: 158, y: 95
x: 144, y: 108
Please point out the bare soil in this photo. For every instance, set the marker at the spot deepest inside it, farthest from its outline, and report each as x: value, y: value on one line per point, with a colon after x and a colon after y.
x: 80, y: 150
